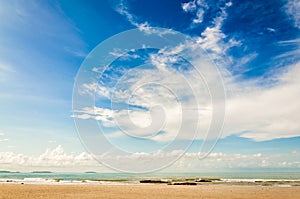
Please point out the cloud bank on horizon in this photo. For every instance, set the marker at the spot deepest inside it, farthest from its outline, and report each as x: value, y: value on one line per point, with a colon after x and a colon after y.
x: 57, y: 160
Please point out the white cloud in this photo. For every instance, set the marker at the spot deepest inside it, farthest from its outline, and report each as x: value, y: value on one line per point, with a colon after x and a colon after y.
x: 94, y: 88
x: 117, y: 53
x: 293, y: 9
x: 197, y: 7
x: 199, y: 18
x: 189, y: 6
x: 212, y: 37
x: 266, y: 113
x: 271, y: 29
x: 54, y: 157
x: 96, y: 69
x: 253, y: 111
x: 101, y: 114
x: 164, y: 93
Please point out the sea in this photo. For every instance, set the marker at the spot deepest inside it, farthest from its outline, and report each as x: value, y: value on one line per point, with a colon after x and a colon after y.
x: 46, y: 177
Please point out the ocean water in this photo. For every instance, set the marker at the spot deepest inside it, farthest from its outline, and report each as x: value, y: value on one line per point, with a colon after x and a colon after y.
x: 124, y: 177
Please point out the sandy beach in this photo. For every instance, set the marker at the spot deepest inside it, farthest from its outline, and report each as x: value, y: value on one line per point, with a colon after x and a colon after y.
x: 146, y: 191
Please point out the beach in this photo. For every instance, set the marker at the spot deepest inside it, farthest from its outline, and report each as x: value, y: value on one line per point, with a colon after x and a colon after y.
x: 156, y: 185
x: 147, y: 191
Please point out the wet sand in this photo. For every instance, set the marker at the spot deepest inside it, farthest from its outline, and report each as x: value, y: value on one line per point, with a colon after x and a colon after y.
x: 147, y: 191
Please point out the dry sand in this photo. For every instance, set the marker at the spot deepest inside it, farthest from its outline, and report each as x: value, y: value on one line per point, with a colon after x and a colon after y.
x: 146, y: 191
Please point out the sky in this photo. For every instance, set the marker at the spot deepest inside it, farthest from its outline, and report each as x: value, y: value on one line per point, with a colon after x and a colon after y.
x: 254, y: 46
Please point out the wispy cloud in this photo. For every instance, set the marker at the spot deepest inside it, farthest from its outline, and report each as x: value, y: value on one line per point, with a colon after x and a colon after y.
x: 239, y: 64
x: 292, y: 54
x: 196, y: 7
x: 3, y: 138
x: 293, y: 9
x: 212, y: 38
x: 123, y: 9
x: 6, y: 68
x: 77, y: 53
x: 5, y: 71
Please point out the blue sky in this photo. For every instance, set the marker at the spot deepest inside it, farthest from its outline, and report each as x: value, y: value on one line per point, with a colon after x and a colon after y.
x: 43, y: 44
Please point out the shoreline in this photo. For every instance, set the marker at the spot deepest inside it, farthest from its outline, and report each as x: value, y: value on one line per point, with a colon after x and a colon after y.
x: 171, y: 182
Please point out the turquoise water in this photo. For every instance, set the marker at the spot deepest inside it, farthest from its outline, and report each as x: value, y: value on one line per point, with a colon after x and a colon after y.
x: 130, y: 177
